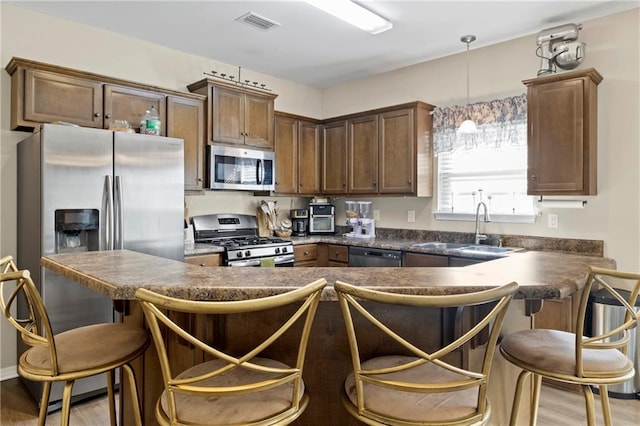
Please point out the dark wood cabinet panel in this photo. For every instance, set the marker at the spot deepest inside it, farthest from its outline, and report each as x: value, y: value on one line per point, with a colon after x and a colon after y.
x: 308, y: 158
x: 562, y: 133
x: 227, y: 119
x: 334, y: 158
x: 305, y: 255
x: 258, y: 121
x: 363, y: 155
x: 397, y: 151
x: 286, y: 149
x: 186, y: 120
x: 50, y: 97
x: 424, y: 260
x: 124, y: 103
x: 214, y: 259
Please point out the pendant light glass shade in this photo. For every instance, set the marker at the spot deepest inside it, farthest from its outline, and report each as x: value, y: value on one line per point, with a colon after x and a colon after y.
x: 468, y: 125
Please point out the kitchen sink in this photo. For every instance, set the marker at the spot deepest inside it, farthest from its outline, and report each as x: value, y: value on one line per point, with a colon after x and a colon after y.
x: 486, y: 249
x: 441, y: 246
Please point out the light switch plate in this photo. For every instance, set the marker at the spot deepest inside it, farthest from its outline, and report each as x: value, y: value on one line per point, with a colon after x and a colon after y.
x: 411, y: 216
x: 376, y: 215
x: 552, y: 221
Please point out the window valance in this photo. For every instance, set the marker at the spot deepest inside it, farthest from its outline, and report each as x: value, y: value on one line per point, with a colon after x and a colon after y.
x: 500, y: 122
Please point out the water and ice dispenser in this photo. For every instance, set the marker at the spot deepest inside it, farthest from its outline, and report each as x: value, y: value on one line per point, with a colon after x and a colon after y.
x: 77, y: 230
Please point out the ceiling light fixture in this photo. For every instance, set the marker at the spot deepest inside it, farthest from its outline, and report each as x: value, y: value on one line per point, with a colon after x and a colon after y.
x: 353, y: 14
x: 468, y: 126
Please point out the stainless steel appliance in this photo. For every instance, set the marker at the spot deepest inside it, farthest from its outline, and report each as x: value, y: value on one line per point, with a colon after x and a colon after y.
x: 241, y: 169
x: 299, y: 222
x: 83, y: 189
x: 367, y: 256
x: 238, y: 235
x: 321, y: 218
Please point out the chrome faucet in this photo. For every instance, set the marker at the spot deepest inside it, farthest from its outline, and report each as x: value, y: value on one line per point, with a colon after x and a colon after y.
x: 478, y: 236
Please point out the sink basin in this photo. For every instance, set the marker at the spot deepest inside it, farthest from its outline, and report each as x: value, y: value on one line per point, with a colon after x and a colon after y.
x: 486, y: 249
x: 441, y: 246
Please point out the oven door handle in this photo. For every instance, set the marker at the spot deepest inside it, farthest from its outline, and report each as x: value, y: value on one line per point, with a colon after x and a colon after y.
x: 278, y: 260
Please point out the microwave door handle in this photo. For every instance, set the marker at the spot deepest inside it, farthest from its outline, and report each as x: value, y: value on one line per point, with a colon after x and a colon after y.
x: 259, y: 172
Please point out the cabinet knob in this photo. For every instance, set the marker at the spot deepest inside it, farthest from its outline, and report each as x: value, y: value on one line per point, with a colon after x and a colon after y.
x: 409, y: 181
x: 200, y: 179
x: 533, y: 177
x: 375, y: 183
x: 306, y: 253
x: 97, y: 114
x: 301, y: 185
x: 107, y: 116
x: 202, y: 264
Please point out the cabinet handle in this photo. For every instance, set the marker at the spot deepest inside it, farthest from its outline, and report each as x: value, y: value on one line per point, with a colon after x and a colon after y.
x: 202, y: 264
x: 97, y: 114
x: 306, y: 253
x: 375, y: 183
x: 533, y: 177
x: 107, y: 116
x: 200, y: 179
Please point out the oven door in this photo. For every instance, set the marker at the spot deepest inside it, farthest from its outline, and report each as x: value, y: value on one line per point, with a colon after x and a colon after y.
x: 278, y: 261
x: 241, y: 169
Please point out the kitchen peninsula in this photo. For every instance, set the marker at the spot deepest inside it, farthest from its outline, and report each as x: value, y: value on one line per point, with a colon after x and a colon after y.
x: 541, y: 275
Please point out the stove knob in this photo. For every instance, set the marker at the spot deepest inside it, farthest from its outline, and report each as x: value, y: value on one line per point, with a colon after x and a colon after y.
x: 239, y: 254
x: 247, y: 253
x: 284, y: 249
x: 278, y: 250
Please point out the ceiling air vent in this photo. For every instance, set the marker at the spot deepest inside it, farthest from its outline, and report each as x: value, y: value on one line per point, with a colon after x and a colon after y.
x: 257, y: 21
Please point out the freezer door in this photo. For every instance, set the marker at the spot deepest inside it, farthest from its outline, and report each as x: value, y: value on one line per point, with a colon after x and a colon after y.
x: 149, y: 194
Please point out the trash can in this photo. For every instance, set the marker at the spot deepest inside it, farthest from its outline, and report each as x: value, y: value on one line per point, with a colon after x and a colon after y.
x: 607, y: 313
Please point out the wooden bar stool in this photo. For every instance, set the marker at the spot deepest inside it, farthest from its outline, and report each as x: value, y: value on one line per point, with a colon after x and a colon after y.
x: 416, y: 386
x: 247, y: 388
x: 71, y: 355
x: 573, y: 358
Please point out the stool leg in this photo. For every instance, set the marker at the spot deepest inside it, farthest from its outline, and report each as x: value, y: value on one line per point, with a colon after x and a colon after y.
x: 44, y: 403
x: 535, y: 398
x: 606, y: 408
x: 589, y: 402
x: 516, y: 398
x: 66, y: 403
x: 111, y: 397
x: 135, y: 403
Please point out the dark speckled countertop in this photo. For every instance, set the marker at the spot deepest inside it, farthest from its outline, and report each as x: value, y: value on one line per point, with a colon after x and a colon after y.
x: 541, y: 275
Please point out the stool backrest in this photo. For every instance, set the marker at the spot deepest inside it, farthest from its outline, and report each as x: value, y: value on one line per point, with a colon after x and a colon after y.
x: 482, y: 322
x: 35, y: 327
x: 618, y: 336
x: 166, y: 319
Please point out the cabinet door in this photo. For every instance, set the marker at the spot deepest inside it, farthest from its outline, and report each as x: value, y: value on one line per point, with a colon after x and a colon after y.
x: 397, y: 152
x: 308, y: 158
x: 561, y: 138
x: 214, y: 259
x: 227, y: 119
x: 258, y: 121
x: 286, y: 148
x: 334, y: 158
x: 363, y: 155
x: 185, y: 120
x: 424, y: 260
x: 50, y: 97
x: 123, y: 103
x: 305, y: 255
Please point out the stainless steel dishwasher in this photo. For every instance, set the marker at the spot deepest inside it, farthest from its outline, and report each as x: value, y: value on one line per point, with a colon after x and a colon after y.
x: 367, y: 256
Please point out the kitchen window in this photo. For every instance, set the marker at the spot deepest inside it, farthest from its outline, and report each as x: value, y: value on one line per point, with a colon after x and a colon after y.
x: 488, y: 166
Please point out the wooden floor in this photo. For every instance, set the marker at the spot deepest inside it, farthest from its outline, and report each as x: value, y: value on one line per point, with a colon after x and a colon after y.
x: 557, y: 407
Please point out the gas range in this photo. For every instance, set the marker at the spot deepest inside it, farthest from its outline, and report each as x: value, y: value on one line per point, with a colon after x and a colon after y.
x: 238, y: 235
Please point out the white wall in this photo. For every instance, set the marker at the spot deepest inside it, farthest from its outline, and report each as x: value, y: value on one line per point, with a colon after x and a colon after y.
x: 496, y: 71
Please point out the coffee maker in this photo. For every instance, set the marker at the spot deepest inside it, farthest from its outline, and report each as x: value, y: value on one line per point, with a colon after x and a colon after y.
x: 299, y: 222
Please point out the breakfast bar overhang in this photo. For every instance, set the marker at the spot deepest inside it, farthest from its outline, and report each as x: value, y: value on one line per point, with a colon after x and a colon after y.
x: 118, y: 274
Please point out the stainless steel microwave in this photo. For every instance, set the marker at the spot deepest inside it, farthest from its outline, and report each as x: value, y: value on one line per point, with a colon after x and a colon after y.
x: 241, y: 169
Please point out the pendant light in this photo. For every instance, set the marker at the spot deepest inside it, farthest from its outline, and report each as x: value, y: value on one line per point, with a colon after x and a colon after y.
x: 468, y: 126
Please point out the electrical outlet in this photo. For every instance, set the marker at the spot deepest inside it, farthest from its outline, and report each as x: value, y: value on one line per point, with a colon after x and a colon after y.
x: 376, y: 215
x: 552, y: 221
x: 411, y: 216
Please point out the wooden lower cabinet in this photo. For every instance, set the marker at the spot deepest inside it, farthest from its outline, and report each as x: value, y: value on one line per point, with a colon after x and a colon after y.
x: 424, y: 260
x: 338, y: 255
x: 305, y: 255
x: 214, y: 259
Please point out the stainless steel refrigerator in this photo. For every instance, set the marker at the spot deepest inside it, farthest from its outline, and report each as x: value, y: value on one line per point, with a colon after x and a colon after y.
x: 83, y: 189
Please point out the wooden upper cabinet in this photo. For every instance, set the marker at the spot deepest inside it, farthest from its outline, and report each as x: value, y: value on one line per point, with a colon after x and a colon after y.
x: 286, y: 149
x: 125, y: 103
x: 562, y: 133
x: 50, y: 97
x: 334, y: 158
x: 186, y: 120
x: 397, y: 147
x: 297, y: 148
x: 363, y: 155
x: 238, y: 115
x: 308, y: 158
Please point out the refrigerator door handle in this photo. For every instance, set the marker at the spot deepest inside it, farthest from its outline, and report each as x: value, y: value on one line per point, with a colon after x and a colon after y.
x: 108, y: 235
x: 119, y: 220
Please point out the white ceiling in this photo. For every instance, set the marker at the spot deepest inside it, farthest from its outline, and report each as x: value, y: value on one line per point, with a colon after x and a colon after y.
x: 316, y: 49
